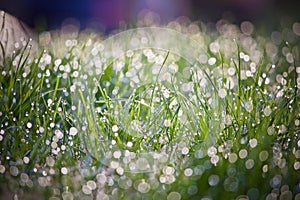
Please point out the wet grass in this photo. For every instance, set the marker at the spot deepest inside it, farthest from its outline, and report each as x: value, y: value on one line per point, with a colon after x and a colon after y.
x: 149, y: 124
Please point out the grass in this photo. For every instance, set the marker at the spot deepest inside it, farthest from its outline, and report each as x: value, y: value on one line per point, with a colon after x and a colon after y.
x: 151, y: 123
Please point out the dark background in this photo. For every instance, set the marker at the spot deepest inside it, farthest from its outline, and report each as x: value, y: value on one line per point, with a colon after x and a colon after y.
x: 49, y: 14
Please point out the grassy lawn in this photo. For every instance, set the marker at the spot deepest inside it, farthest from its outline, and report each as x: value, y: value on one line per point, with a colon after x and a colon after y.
x: 184, y: 111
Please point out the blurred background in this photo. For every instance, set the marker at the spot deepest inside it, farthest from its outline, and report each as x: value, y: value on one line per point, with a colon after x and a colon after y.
x: 107, y: 15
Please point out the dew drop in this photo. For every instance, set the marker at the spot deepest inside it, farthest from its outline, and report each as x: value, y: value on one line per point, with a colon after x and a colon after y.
x: 120, y: 171
x: 222, y: 93
x: 249, y: 164
x: 263, y: 156
x: 253, y: 143
x: 73, y: 131
x: 91, y: 184
x: 67, y: 196
x: 267, y: 111
x: 167, y: 123
x: 243, y: 153
x: 13, y: 170
x: 115, y: 128
x: 2, y: 169
x: 213, y: 180
x: 117, y: 154
x: 64, y: 170
x: 185, y: 150
x: 232, y: 157
x: 29, y: 125
x: 188, y: 172
x: 231, y: 184
x: 297, y: 165
x: 86, y: 190
x: 142, y: 164
x: 211, y: 151
x: 143, y: 187
x: 214, y: 159
x: 168, y: 170
x: 271, y: 130
x: 101, y: 178
x: 192, y: 190
x: 174, y: 196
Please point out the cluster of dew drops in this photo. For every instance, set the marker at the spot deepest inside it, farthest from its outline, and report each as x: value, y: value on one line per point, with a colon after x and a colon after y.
x: 159, y: 175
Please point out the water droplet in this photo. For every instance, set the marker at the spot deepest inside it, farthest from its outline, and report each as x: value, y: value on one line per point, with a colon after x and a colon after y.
x: 242, y: 197
x: 231, y: 184
x: 142, y: 164
x: 214, y: 159
x: 248, y: 106
x: 120, y: 171
x: 114, y: 164
x: 115, y: 128
x: 174, y: 196
x: 232, y: 157
x: 73, y: 131
x: 275, y: 182
x: 13, y: 170
x: 222, y: 93
x: 143, y: 187
x: 267, y: 111
x: 213, y: 180
x: 188, y: 172
x: 249, y: 164
x: 167, y: 123
x: 297, y: 165
x: 253, y: 143
x: 101, y: 178
x: 185, y: 150
x: 29, y: 125
x: 2, y: 169
x: 24, y: 177
x: 168, y: 170
x: 129, y: 144
x: 271, y: 130
x: 86, y: 190
x: 199, y: 154
x: 286, y: 195
x: 50, y: 161
x: 263, y: 156
x: 212, y: 61
x: 64, y: 170
x: 91, y: 184
x: 211, y: 151
x: 192, y: 190
x: 59, y: 134
x: 117, y: 154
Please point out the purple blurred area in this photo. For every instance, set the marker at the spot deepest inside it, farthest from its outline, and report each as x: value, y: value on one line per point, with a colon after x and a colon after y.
x: 110, y: 14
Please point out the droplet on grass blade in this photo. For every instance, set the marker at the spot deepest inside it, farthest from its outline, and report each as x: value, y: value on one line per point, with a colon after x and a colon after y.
x: 267, y: 111
x: 213, y: 180
x: 222, y: 93
x: 174, y: 196
x: 188, y: 172
x: 249, y: 164
x: 253, y: 143
x: 211, y: 151
x: 249, y: 106
x: 29, y: 125
x: 2, y: 169
x: 64, y: 170
x: 73, y: 131
x: 91, y: 185
x: 243, y: 153
x: 143, y: 187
